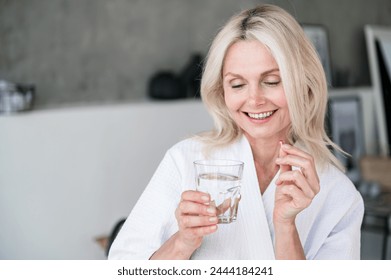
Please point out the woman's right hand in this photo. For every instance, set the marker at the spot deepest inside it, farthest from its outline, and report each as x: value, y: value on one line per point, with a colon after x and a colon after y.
x: 196, y: 218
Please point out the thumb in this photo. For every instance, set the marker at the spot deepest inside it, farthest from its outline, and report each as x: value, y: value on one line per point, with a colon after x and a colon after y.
x: 281, y: 154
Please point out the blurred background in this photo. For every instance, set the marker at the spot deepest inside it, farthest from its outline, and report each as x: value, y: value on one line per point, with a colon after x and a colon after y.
x: 106, y: 86
x: 96, y: 51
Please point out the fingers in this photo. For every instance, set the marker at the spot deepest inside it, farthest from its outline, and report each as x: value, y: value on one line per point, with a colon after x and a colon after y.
x: 198, y: 232
x: 195, y: 214
x: 223, y: 206
x: 187, y: 207
x: 196, y: 221
x: 289, y: 149
x: 299, y: 201
x: 295, y: 188
x: 301, y: 159
x: 282, y: 154
x: 299, y: 180
x: 195, y: 196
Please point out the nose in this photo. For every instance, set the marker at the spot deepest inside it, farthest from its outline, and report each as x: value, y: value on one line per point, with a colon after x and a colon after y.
x: 256, y: 96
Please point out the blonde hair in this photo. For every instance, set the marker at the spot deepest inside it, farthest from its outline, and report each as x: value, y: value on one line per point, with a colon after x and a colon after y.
x: 301, y: 71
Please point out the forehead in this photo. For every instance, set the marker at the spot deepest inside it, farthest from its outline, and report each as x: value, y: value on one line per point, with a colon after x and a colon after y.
x: 248, y: 54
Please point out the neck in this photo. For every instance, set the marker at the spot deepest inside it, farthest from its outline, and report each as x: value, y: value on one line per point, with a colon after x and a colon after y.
x: 265, y: 153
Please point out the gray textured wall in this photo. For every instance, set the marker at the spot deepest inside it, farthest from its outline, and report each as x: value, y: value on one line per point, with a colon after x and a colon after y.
x: 94, y: 51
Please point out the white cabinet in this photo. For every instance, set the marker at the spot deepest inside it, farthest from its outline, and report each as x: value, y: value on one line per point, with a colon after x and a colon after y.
x: 67, y: 175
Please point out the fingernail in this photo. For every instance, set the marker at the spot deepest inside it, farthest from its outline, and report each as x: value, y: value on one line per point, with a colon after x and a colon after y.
x: 211, y: 210
x: 205, y: 198
x: 278, y: 160
x: 281, y: 142
x: 213, y: 219
x: 214, y: 227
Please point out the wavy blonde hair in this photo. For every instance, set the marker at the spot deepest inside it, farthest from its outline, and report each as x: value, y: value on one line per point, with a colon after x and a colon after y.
x: 301, y: 71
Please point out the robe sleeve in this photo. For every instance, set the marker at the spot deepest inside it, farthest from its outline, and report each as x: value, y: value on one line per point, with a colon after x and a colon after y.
x: 343, y: 241
x: 152, y: 220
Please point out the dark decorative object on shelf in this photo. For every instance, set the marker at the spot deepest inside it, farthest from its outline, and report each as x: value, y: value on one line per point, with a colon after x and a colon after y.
x: 166, y: 85
x: 16, y: 97
x: 191, y: 76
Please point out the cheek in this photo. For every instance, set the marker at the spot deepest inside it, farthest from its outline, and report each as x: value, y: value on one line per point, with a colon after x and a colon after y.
x: 280, y: 100
x: 229, y: 101
x: 283, y: 104
x: 233, y: 101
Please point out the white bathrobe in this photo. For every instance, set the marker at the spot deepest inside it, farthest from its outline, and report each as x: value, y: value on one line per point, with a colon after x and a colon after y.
x: 329, y: 228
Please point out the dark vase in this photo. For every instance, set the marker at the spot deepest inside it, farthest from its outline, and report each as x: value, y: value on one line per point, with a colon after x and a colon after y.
x: 165, y: 85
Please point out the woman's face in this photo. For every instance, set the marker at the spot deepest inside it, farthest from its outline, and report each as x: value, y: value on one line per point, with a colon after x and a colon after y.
x: 253, y: 91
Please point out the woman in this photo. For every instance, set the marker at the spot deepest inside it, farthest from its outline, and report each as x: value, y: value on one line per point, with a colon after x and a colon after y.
x: 266, y: 90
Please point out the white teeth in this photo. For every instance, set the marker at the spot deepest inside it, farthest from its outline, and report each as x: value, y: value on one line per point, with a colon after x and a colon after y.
x: 261, y: 116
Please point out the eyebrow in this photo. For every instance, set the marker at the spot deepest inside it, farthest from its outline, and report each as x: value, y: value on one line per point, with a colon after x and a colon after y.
x: 262, y: 74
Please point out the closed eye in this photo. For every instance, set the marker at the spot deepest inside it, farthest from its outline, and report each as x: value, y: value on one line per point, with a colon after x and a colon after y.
x: 272, y: 84
x: 237, y: 86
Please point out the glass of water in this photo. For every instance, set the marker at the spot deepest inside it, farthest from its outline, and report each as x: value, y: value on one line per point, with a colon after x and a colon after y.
x: 222, y: 180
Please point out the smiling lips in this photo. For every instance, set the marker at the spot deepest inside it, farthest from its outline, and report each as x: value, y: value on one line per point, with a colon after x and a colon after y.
x: 261, y: 116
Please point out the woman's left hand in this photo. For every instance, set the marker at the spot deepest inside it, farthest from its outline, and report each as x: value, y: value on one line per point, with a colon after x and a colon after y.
x: 295, y: 188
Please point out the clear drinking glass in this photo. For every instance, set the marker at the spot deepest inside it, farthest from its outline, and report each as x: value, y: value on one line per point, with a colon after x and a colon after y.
x: 222, y: 180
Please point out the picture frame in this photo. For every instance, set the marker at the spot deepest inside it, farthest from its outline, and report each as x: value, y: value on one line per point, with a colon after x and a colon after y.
x: 345, y: 127
x: 378, y: 41
x: 318, y: 35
